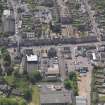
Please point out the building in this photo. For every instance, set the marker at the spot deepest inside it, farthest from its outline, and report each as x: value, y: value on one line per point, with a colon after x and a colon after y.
x: 30, y: 35
x: 32, y: 63
x: 47, y: 3
x: 65, y: 20
x: 81, y: 100
x: 94, y: 56
x: 28, y: 52
x: 67, y: 53
x: 31, y: 60
x: 52, y: 73
x: 56, y: 95
x: 8, y: 22
x: 102, y: 56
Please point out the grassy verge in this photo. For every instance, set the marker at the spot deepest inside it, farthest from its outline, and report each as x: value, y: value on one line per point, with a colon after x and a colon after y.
x: 35, y: 96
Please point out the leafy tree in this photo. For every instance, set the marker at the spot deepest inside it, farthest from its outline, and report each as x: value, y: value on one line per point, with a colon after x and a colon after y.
x: 16, y: 73
x: 71, y: 83
x: 28, y: 94
x: 3, y: 50
x: 52, y: 53
x: 0, y: 70
x: 7, y: 59
x: 35, y: 76
x: 9, y: 101
x: 67, y: 84
x: 5, y: 56
x: 9, y: 70
x: 72, y: 76
x: 22, y: 102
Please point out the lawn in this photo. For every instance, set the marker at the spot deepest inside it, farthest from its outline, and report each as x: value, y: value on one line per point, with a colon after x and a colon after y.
x: 9, y: 79
x: 102, y: 98
x: 35, y: 96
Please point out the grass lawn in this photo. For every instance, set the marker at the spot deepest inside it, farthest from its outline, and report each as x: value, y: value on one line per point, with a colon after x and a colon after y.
x: 9, y: 79
x: 102, y: 98
x: 35, y: 96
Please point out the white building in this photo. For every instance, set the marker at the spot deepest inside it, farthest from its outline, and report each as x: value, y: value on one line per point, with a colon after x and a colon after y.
x: 94, y: 56
x: 32, y: 58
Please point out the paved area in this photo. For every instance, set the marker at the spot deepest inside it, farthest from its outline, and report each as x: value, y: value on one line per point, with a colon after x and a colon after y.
x: 84, y: 86
x: 85, y: 81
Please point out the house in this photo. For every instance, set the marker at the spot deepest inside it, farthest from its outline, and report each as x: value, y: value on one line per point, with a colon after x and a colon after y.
x: 94, y: 56
x: 102, y: 56
x: 47, y: 3
x: 30, y: 35
x: 28, y: 52
x: 44, y: 53
x: 67, y: 50
x: 56, y: 95
x: 67, y: 53
x: 5, y: 89
x: 65, y: 20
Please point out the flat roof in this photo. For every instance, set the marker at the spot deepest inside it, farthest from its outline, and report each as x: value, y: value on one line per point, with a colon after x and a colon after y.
x: 6, y: 12
x: 53, y: 70
x: 32, y: 58
x: 53, y: 96
x: 94, y: 56
x: 81, y: 100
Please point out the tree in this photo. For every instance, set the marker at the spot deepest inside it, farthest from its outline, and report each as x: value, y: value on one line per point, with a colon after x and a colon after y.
x: 71, y: 83
x: 7, y: 59
x: 67, y: 84
x: 1, y: 70
x: 9, y: 70
x: 5, y: 56
x: 28, y: 94
x: 16, y: 73
x: 11, y: 101
x: 22, y: 102
x: 3, y: 50
x: 72, y: 76
x: 52, y: 53
x: 7, y: 101
x: 34, y: 76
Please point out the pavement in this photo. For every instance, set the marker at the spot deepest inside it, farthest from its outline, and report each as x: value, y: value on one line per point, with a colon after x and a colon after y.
x: 62, y: 65
x: 84, y: 86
